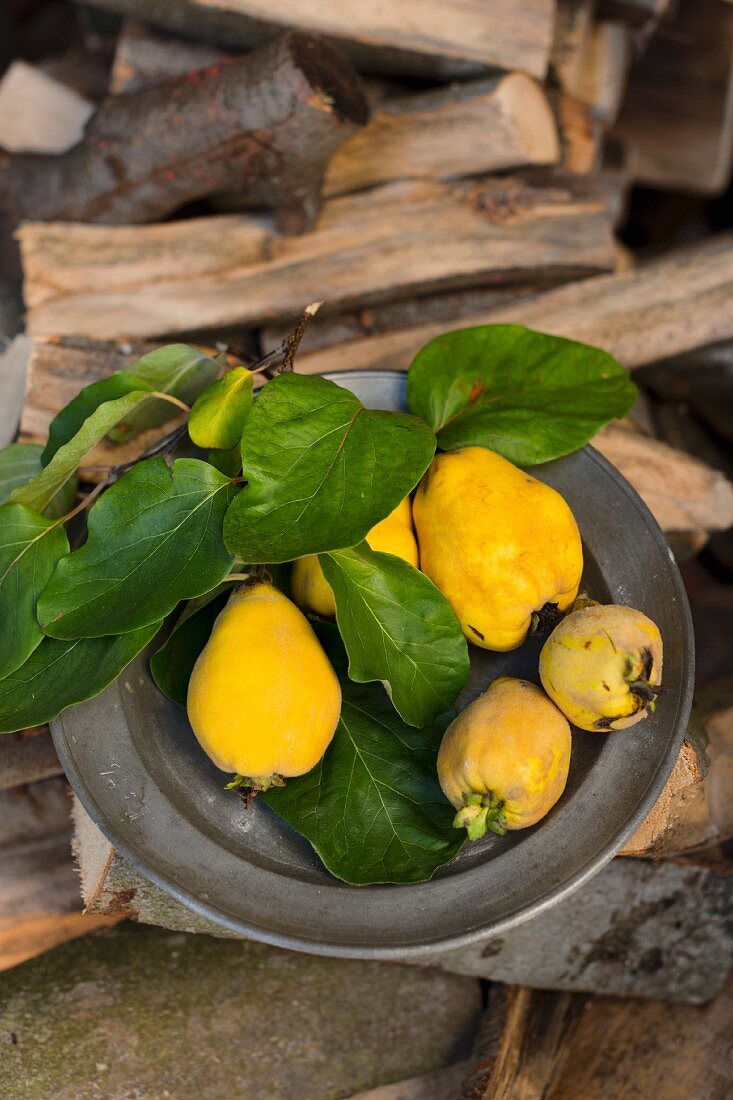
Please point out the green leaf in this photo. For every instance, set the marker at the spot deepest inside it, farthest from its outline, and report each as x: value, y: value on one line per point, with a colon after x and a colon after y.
x: 41, y: 490
x: 228, y: 462
x: 154, y: 539
x: 19, y: 462
x: 373, y: 809
x: 218, y: 415
x: 67, y: 423
x: 59, y: 674
x: 321, y: 470
x: 398, y: 628
x: 528, y: 396
x: 30, y: 547
x: 172, y: 665
x: 176, y: 369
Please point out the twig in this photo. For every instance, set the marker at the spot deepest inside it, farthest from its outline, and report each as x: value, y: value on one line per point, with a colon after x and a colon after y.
x: 281, y: 359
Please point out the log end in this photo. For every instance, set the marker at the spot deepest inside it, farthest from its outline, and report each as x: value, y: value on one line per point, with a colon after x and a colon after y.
x: 331, y: 75
x: 527, y: 105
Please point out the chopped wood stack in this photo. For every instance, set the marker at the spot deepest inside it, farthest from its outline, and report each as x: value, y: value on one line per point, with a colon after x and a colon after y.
x: 419, y: 166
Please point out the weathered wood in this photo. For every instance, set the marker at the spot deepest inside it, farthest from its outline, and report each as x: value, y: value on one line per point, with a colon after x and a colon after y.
x: 572, y: 33
x: 695, y: 810
x: 441, y: 1084
x: 581, y: 133
x: 39, y: 114
x: 604, y: 71
x: 678, y: 113
x: 13, y: 368
x: 393, y: 241
x: 426, y: 38
x: 680, y: 301
x: 266, y: 124
x: 575, y: 1047
x: 27, y: 757
x: 637, y: 13
x: 40, y: 905
x: 463, y: 130
x: 681, y: 491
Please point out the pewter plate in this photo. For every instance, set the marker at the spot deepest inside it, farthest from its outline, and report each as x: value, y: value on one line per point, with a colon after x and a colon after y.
x: 134, y: 763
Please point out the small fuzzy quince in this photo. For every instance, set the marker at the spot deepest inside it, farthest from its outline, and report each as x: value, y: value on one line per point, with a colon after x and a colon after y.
x: 263, y: 699
x: 499, y: 544
x: 602, y: 666
x: 393, y: 535
x: 503, y: 762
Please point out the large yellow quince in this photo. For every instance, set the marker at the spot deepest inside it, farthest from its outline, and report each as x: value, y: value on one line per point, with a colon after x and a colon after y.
x: 498, y: 543
x: 504, y: 760
x: 393, y: 535
x: 263, y: 699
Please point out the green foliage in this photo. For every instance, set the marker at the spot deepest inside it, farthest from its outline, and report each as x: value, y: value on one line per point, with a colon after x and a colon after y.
x: 321, y: 470
x: 172, y: 665
x: 71, y: 419
x: 59, y: 674
x: 45, y: 486
x: 218, y: 415
x: 528, y: 396
x: 19, y: 462
x: 398, y: 628
x: 373, y: 809
x: 30, y: 547
x: 154, y: 540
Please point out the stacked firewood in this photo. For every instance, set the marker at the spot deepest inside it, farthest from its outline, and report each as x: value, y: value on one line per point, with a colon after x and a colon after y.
x: 415, y: 166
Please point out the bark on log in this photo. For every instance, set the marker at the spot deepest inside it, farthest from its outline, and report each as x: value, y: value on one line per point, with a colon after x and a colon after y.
x: 463, y: 130
x: 434, y: 39
x: 393, y: 241
x: 144, y: 58
x: 266, y: 124
x: 679, y: 302
x: 678, y: 114
x: 605, y: 69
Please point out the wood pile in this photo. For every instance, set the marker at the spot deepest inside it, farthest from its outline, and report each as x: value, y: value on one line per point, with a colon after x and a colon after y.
x: 419, y: 166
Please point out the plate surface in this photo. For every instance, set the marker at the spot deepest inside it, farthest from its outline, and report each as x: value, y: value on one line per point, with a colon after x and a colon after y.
x: 134, y: 762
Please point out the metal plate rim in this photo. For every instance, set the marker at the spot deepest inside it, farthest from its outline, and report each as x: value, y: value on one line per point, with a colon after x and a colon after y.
x: 425, y: 950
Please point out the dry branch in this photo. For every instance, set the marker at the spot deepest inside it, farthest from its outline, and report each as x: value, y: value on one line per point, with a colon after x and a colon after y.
x: 393, y: 241
x: 265, y: 124
x: 427, y: 38
x: 144, y: 58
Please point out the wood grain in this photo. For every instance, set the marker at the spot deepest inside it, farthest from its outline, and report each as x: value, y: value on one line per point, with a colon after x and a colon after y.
x: 393, y: 241
x: 428, y: 38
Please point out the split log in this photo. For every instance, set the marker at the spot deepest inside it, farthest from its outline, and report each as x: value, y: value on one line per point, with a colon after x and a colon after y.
x: 463, y: 130
x: 397, y: 240
x: 39, y: 114
x: 433, y: 39
x: 581, y: 134
x: 39, y: 888
x: 652, y: 313
x: 678, y: 114
x: 266, y: 123
x: 695, y: 810
x: 556, y: 1046
x: 27, y: 758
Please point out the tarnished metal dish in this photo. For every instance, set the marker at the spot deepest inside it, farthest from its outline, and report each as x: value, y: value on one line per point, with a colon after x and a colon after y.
x: 132, y: 759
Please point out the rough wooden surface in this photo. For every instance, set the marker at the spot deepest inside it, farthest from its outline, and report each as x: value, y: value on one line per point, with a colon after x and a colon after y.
x: 678, y: 113
x: 144, y: 58
x: 660, y: 309
x: 428, y: 38
x: 266, y: 124
x: 604, y: 70
x: 534, y: 1045
x: 463, y: 130
x: 142, y: 1012
x: 392, y: 241
x: 572, y: 33
x: 40, y: 905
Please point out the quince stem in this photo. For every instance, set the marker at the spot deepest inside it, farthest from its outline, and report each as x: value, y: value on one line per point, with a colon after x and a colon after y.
x: 479, y: 813
x: 253, y: 784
